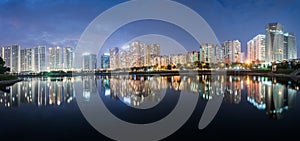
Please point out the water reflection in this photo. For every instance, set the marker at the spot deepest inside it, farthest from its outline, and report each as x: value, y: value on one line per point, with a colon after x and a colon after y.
x: 39, y: 91
x: 262, y: 92
x: 266, y: 94
x: 274, y: 96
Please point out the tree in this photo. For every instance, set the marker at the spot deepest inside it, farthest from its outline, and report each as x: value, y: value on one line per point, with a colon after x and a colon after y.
x: 3, y: 69
x: 169, y: 67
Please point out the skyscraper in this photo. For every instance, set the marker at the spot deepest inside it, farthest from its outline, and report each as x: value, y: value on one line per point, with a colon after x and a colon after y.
x: 219, y: 54
x: 89, y: 61
x: 105, y: 62
x: 232, y: 51
x: 5, y: 54
x: 193, y: 56
x: 207, y: 53
x: 256, y: 48
x: 15, y: 58
x: 12, y: 57
x: 113, y: 59
x: 274, y: 42
x: 68, y: 55
x: 236, y: 51
x: 39, y: 59
x: 290, y: 50
x: 26, y: 59
x: 55, y: 58
x: 151, y: 51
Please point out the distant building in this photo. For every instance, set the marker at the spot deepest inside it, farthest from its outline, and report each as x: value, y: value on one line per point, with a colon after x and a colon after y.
x: 242, y: 57
x: 256, y: 48
x: 68, y: 55
x: 113, y: 58
x: 136, y: 54
x: 232, y: 50
x: 6, y: 55
x: 89, y: 61
x: 274, y: 42
x: 290, y: 49
x: 26, y: 59
x: 151, y: 51
x: 105, y: 62
x: 39, y: 59
x: 55, y: 58
x: 12, y: 57
x: 207, y: 53
x: 219, y: 54
x: 164, y: 60
x: 192, y: 57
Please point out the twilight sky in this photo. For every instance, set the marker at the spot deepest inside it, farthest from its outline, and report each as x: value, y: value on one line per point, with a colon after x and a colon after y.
x: 61, y: 22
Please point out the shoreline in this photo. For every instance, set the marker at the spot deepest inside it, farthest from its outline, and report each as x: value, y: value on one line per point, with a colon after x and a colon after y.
x: 169, y: 73
x: 9, y: 82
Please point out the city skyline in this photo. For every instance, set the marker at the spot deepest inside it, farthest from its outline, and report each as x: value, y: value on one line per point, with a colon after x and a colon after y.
x: 44, y: 30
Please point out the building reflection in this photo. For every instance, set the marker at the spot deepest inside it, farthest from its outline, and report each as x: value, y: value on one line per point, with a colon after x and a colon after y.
x: 272, y: 95
x: 135, y: 90
x: 269, y: 95
x: 39, y: 91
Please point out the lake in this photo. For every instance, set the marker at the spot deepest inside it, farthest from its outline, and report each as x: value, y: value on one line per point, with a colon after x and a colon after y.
x: 253, y: 107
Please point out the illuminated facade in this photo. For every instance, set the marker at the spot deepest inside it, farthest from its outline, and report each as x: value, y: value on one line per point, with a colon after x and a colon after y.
x: 68, y: 57
x: 256, y: 48
x: 105, y: 62
x: 12, y: 57
x: 290, y: 48
x: 232, y: 51
x: 55, y: 58
x: 207, y: 53
x: 274, y: 42
x: 89, y: 61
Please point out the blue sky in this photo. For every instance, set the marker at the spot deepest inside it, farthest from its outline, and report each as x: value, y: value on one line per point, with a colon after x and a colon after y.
x: 61, y: 22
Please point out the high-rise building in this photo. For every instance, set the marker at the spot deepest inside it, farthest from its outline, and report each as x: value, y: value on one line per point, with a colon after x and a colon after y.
x: 290, y: 49
x: 55, y: 58
x: 228, y: 53
x: 105, y: 62
x: 26, y: 59
x: 151, y: 51
x: 219, y: 54
x: 6, y: 55
x: 68, y: 55
x: 164, y: 60
x: 274, y: 42
x: 192, y: 56
x: 236, y: 51
x: 136, y: 54
x: 242, y: 57
x: 33, y: 59
x: 232, y: 50
x: 207, y: 53
x: 39, y: 59
x: 256, y: 48
x: 89, y: 61
x: 12, y: 57
x: 113, y: 59
x: 15, y: 58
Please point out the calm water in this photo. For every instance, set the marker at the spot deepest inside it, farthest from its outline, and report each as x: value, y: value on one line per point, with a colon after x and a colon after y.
x: 253, y: 107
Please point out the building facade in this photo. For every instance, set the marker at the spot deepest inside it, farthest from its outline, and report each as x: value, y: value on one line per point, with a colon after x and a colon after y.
x: 55, y: 58
x: 89, y: 62
x: 274, y: 42
x: 256, y: 48
x: 290, y: 49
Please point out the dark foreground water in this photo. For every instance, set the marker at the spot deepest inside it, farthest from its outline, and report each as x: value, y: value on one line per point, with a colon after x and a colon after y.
x: 253, y: 108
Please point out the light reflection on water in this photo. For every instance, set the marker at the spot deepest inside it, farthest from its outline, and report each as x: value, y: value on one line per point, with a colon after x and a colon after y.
x: 273, y: 95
